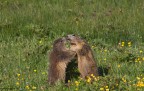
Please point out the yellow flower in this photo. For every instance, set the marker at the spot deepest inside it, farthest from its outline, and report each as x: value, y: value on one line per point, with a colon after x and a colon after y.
x: 92, y: 75
x: 141, y: 51
x: 18, y: 75
x: 35, y: 70
x: 76, y: 89
x: 33, y: 87
x: 119, y: 66
x: 138, y: 78
x: 129, y: 44
x: 140, y: 84
x: 107, y: 89
x: 40, y: 41
x: 17, y: 83
x: 138, y: 58
x: 143, y: 58
x: 88, y: 80
x: 124, y: 80
x: 106, y: 86
x: 123, y: 43
x: 27, y: 87
x: 105, y: 50
x: 143, y: 78
x: 93, y: 46
x: 69, y: 81
x: 105, y: 59
x: 76, y: 83
x: 101, y: 89
x: 95, y: 79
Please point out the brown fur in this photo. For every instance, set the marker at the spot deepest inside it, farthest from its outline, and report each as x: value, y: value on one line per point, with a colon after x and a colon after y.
x: 59, y: 58
x: 86, y: 63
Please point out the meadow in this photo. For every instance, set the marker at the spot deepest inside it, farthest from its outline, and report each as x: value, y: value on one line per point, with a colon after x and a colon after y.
x: 113, y: 28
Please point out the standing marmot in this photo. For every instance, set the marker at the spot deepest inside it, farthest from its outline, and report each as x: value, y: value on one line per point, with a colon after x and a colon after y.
x: 59, y: 58
x: 86, y: 62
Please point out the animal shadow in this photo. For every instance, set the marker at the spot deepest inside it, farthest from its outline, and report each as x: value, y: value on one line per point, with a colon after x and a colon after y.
x: 103, y: 71
x: 72, y: 71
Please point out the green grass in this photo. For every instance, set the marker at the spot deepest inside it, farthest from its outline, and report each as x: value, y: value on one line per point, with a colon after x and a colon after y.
x: 29, y: 27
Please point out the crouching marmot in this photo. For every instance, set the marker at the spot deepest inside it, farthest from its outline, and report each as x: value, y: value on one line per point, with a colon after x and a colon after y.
x: 86, y: 63
x: 59, y: 58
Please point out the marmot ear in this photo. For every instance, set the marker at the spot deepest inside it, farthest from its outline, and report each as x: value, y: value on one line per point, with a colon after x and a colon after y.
x: 84, y: 50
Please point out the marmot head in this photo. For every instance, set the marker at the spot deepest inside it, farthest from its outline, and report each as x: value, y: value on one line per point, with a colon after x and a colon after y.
x: 76, y: 42
x: 59, y: 45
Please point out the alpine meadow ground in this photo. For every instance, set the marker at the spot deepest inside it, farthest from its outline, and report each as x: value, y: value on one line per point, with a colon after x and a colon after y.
x: 113, y: 28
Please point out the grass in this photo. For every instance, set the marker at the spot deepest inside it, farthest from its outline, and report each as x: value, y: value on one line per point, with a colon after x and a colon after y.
x: 114, y: 30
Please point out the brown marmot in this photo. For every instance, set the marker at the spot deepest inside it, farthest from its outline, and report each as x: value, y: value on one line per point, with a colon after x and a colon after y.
x: 59, y: 57
x: 86, y: 63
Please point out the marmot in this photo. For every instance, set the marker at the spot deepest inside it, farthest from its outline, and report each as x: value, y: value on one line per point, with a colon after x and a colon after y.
x: 59, y: 57
x: 86, y: 63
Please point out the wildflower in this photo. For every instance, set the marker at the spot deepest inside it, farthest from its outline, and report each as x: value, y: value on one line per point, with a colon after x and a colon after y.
x: 143, y: 78
x: 105, y: 59
x: 143, y: 58
x: 119, y: 66
x: 124, y: 80
x: 33, y: 87
x: 27, y: 87
x: 105, y: 50
x: 76, y: 83
x: 138, y: 59
x: 106, y: 86
x: 95, y: 79
x: 129, y: 44
x: 93, y: 46
x: 123, y: 43
x: 88, y: 80
x: 138, y: 78
x: 40, y: 41
x: 69, y: 81
x: 141, y: 51
x: 76, y: 89
x: 18, y: 75
x: 107, y: 89
x: 101, y: 89
x: 92, y: 75
x: 17, y: 83
x: 140, y: 84
x: 35, y: 70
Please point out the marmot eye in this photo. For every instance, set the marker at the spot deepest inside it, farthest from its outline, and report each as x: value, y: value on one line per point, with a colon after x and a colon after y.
x: 73, y: 34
